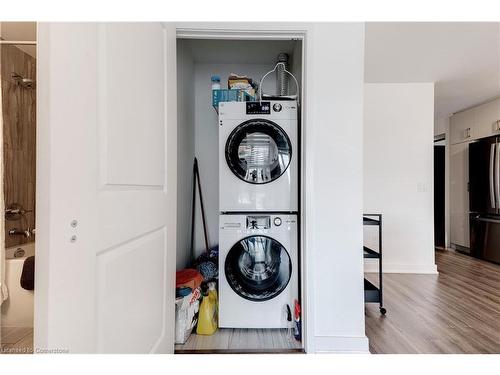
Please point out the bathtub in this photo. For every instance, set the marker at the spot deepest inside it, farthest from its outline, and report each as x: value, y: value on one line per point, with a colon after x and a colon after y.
x: 17, y: 310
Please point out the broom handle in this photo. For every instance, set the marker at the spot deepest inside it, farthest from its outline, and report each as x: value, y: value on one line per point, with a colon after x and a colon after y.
x: 193, y: 209
x: 207, y: 247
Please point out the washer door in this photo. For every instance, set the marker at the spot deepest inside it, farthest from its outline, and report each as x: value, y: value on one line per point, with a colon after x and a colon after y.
x: 258, y: 268
x: 258, y: 151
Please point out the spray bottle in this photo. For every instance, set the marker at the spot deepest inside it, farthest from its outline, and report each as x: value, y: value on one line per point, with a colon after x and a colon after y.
x: 297, y: 330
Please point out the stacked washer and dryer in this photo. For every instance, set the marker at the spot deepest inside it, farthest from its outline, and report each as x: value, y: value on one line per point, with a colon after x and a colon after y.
x: 258, y: 231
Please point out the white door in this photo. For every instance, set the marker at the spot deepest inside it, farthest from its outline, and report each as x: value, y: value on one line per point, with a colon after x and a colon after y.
x: 106, y: 160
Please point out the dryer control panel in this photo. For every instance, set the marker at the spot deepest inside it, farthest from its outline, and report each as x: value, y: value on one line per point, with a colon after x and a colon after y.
x: 258, y: 108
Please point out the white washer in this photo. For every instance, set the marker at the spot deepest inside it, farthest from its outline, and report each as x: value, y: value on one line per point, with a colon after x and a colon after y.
x: 258, y: 156
x: 258, y: 270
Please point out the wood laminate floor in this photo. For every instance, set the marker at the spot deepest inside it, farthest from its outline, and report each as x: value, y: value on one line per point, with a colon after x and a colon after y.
x: 17, y: 340
x: 227, y: 340
x: 457, y: 311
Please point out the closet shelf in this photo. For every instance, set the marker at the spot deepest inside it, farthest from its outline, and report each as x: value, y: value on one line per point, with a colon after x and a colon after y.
x: 372, y: 293
x: 370, y: 221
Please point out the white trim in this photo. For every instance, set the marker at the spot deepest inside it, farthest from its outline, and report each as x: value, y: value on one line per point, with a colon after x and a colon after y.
x: 429, y: 269
x: 306, y: 209
x: 342, y: 344
x: 43, y: 215
x: 193, y: 33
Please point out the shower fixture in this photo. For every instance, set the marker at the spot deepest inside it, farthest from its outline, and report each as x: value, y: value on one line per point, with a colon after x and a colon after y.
x: 26, y: 233
x: 15, y: 211
x: 27, y: 83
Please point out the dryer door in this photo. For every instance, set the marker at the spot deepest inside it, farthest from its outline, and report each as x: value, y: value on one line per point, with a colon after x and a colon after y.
x: 258, y: 268
x: 258, y: 151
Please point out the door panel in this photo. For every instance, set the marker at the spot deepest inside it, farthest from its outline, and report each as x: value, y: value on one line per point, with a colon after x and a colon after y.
x: 130, y: 301
x: 258, y: 268
x: 258, y: 151
x: 108, y: 245
x: 131, y: 66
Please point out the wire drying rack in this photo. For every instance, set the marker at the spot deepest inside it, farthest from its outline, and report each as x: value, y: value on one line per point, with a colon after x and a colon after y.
x: 264, y: 96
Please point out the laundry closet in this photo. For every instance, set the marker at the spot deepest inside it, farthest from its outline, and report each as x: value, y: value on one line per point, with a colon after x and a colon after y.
x: 248, y: 155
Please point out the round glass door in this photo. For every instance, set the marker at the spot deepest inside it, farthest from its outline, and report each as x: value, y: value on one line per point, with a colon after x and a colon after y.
x: 258, y: 268
x: 258, y: 151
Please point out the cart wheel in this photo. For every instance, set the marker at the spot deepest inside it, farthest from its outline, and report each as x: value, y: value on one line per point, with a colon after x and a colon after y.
x: 382, y: 310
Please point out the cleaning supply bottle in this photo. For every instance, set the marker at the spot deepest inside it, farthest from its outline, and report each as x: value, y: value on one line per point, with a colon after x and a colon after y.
x: 297, y: 330
x: 215, y: 83
x: 207, y: 316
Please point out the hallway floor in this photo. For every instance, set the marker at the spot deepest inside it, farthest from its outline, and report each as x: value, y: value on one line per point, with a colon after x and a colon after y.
x: 457, y: 311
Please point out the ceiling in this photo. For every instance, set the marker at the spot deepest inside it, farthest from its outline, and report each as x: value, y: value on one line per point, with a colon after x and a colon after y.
x: 237, y: 51
x: 20, y: 31
x: 462, y: 58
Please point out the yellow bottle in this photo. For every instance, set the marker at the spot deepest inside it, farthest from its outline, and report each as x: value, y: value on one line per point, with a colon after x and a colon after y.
x: 207, y: 316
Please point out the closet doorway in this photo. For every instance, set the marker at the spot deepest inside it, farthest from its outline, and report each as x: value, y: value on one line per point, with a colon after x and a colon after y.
x: 200, y: 55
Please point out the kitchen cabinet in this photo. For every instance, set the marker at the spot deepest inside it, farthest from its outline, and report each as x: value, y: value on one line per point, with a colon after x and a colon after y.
x: 459, y: 194
x: 475, y: 123
x: 461, y: 126
x: 486, y: 119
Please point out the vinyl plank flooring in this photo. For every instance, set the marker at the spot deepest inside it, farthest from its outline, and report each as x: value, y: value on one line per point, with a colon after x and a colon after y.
x: 11, y: 335
x: 17, y: 340
x: 227, y: 340
x: 457, y: 311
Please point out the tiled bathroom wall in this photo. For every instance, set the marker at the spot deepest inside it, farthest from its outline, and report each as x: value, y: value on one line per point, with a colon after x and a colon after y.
x: 19, y: 128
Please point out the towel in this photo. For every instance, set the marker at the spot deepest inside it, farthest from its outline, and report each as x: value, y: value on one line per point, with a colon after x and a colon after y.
x: 28, y: 274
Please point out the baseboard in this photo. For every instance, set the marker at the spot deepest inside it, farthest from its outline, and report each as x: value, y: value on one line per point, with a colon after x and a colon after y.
x: 371, y: 267
x: 341, y: 344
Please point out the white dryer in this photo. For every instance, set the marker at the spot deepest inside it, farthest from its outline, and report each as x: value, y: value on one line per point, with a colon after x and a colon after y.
x: 258, y: 270
x: 258, y: 156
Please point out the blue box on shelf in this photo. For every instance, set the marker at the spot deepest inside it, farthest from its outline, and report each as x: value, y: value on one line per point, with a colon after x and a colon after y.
x: 225, y: 95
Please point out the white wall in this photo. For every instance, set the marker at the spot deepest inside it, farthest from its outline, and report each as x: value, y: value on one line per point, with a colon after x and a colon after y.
x: 185, y: 153
x: 333, y: 186
x: 398, y: 173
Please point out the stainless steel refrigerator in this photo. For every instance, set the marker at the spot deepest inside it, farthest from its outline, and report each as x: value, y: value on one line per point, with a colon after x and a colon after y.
x: 484, y: 199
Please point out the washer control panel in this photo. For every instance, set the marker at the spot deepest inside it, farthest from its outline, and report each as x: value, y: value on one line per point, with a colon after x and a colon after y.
x: 258, y: 222
x: 277, y: 221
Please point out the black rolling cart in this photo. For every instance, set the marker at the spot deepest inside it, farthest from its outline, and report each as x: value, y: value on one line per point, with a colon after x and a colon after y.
x: 372, y: 293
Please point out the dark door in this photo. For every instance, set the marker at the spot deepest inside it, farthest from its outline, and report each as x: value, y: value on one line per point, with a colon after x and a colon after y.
x: 482, y: 175
x: 439, y: 192
x: 258, y: 151
x: 258, y: 268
